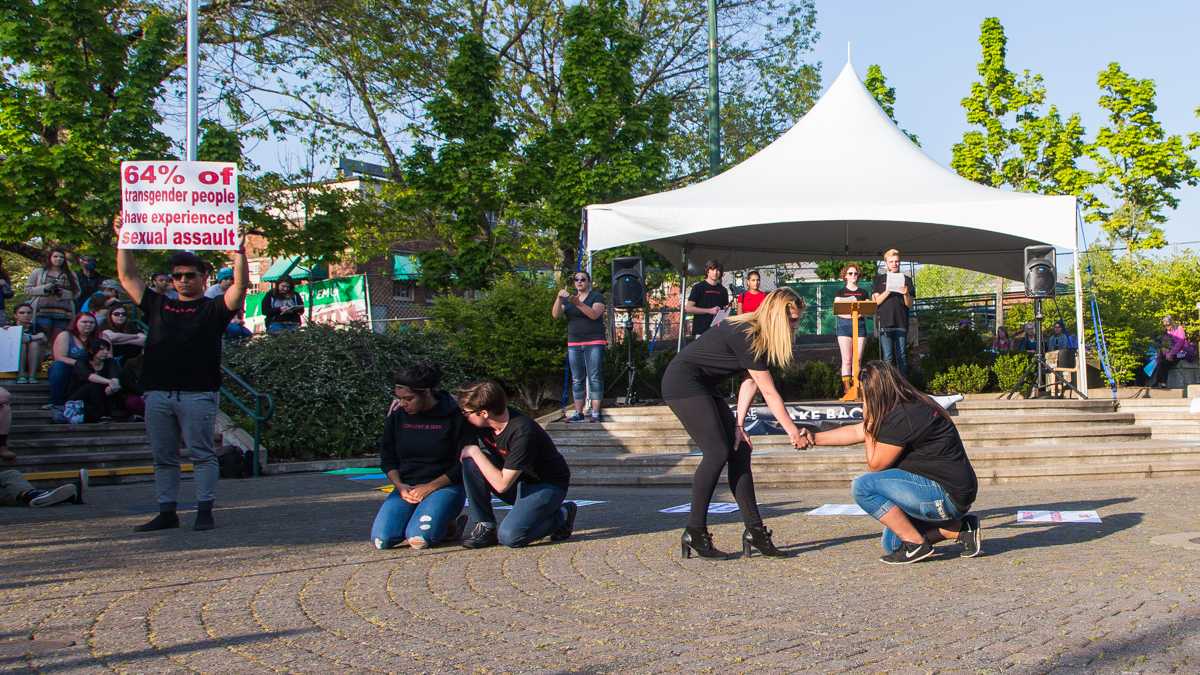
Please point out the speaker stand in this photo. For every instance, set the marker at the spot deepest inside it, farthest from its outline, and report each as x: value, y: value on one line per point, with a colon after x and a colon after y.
x: 1038, y: 368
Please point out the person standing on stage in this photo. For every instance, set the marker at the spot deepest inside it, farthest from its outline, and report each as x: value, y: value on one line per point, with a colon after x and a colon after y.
x: 746, y: 342
x: 181, y: 375
x: 749, y: 299
x: 707, y: 298
x: 584, y: 309
x: 892, y: 313
x: 920, y: 483
x: 845, y: 328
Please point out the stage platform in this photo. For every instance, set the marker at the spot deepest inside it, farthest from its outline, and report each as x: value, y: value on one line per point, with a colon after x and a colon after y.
x: 1019, y: 440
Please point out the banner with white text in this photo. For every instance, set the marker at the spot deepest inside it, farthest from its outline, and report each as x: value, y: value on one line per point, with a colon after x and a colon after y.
x: 334, y: 301
x: 168, y: 204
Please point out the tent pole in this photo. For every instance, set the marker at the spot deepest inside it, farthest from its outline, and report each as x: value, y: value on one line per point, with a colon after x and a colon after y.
x: 682, y: 291
x: 1081, y: 363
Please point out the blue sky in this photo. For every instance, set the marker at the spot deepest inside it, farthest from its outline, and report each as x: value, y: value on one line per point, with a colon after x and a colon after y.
x: 929, y: 51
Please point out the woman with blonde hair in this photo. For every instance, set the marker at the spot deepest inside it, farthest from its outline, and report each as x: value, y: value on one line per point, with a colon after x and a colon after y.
x: 746, y: 342
x: 919, y: 482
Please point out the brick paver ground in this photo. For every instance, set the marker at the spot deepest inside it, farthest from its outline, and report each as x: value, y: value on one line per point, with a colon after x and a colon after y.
x: 288, y: 583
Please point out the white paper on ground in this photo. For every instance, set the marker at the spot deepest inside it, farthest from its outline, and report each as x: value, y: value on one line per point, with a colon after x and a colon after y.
x: 1058, y: 517
x: 578, y: 502
x: 1195, y: 406
x: 837, y: 510
x: 948, y: 402
x: 715, y: 507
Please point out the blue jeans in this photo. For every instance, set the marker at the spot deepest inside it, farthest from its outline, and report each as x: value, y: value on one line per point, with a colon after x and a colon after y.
x: 537, y: 507
x: 398, y: 521
x: 587, y: 367
x: 920, y: 498
x: 60, y: 382
x: 281, y: 327
x: 894, y: 343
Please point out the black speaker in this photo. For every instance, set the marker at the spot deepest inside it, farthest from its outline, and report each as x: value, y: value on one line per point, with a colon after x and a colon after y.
x: 1040, y: 273
x: 628, y: 283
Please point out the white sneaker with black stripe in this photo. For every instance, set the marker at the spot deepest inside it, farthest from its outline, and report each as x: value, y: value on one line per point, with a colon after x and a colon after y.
x: 907, y: 554
x: 60, y: 494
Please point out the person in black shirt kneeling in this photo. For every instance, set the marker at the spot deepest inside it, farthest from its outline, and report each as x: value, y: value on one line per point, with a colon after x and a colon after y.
x: 921, y: 484
x: 422, y: 438
x: 516, y: 461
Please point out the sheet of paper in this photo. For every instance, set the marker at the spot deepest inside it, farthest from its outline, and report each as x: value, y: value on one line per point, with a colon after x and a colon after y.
x: 1058, y: 517
x: 10, y: 349
x: 895, y: 282
x: 720, y: 316
x: 578, y: 502
x: 714, y: 507
x: 837, y: 510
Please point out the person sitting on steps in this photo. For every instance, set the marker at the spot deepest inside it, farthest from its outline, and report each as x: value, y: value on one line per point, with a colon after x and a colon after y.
x: 35, y: 344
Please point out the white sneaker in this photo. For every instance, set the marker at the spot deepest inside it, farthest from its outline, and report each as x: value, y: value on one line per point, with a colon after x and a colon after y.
x: 60, y: 494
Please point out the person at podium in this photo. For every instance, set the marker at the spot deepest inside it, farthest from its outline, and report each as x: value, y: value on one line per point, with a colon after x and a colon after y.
x: 851, y: 274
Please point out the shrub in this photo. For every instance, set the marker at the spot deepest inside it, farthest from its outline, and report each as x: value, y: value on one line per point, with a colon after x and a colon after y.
x: 508, y: 334
x: 809, y: 380
x: 969, y: 378
x: 1009, y: 368
x: 332, y: 386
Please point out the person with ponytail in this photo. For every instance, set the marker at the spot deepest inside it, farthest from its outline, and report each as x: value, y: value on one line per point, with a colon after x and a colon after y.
x: 920, y: 483
x: 746, y: 342
x: 422, y: 438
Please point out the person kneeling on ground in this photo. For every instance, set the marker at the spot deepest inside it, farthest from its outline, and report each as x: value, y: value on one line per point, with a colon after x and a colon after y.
x: 520, y: 465
x: 921, y: 484
x: 422, y: 438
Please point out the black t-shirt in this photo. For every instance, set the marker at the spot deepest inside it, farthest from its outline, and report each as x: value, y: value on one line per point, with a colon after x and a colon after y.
x: 706, y: 295
x: 110, y: 370
x: 701, y: 367
x: 579, y: 327
x: 183, y: 347
x: 526, y: 447
x: 932, y: 449
x: 892, y: 312
x: 427, y: 445
x: 858, y: 294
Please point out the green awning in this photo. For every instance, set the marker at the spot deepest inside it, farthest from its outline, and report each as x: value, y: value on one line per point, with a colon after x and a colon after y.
x: 300, y: 270
x: 405, y: 267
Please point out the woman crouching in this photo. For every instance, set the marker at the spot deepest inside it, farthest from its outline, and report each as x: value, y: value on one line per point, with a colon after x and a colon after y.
x: 921, y: 484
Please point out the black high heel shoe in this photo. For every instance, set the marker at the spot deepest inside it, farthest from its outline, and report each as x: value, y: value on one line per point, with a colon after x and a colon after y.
x: 760, y: 538
x: 701, y: 542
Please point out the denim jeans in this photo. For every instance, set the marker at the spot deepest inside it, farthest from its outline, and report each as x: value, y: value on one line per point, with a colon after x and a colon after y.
x: 894, y: 343
x: 537, y: 507
x: 60, y: 382
x: 587, y: 367
x: 920, y: 498
x: 172, y: 416
x: 398, y: 521
x: 282, y: 327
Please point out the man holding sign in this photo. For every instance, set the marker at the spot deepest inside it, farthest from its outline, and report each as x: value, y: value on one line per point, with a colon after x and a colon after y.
x: 182, y: 374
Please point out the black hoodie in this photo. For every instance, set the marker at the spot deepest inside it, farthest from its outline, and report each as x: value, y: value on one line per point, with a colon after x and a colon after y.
x: 425, y: 446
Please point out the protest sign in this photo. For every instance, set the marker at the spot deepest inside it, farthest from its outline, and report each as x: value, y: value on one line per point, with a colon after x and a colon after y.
x: 10, y: 349
x: 168, y: 204
x: 334, y: 301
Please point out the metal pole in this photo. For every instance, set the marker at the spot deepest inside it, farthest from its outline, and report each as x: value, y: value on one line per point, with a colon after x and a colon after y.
x: 682, y: 297
x: 193, y: 66
x: 714, y: 101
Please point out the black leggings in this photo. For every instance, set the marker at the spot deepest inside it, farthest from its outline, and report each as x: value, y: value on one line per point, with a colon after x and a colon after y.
x: 710, y: 423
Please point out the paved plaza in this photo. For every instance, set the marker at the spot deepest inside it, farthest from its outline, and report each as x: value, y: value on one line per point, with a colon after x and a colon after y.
x: 288, y: 583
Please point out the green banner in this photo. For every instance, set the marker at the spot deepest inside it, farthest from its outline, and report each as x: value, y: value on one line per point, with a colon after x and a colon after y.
x: 336, y: 301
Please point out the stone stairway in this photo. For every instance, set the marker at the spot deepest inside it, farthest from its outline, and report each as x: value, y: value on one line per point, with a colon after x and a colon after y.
x: 1007, y: 441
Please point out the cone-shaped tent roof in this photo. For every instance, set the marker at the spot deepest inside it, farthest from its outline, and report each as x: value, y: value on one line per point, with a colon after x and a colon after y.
x: 844, y: 182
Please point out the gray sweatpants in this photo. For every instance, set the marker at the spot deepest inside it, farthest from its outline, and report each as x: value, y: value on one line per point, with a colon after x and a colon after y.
x: 12, y: 486
x: 186, y: 415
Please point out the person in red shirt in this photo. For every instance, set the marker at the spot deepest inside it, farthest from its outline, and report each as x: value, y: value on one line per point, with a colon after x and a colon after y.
x: 751, y: 298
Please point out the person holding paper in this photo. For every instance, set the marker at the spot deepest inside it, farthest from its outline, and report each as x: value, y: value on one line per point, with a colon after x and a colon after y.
x: 894, y: 293
x: 920, y: 483
x: 845, y: 327
x: 181, y: 375
x: 282, y: 307
x: 746, y: 342
x: 707, y: 298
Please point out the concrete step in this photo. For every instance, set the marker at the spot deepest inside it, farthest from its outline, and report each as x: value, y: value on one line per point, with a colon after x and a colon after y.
x: 71, y: 461
x: 48, y: 446
x: 1165, y: 414
x: 43, y: 428
x: 1154, y: 403
x: 1036, y: 406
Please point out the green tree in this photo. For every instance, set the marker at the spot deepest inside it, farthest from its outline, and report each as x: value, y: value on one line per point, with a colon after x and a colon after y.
x: 80, y: 81
x: 462, y: 181
x: 609, y: 144
x: 831, y: 269
x: 885, y: 96
x: 1140, y: 165
x: 938, y: 281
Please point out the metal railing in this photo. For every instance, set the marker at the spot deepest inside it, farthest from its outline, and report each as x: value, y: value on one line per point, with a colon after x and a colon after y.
x: 260, y: 414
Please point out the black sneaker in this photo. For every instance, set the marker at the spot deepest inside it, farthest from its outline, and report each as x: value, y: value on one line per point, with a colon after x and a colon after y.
x: 60, y: 494
x: 165, y: 520
x: 564, y: 532
x: 457, y: 528
x: 908, y: 553
x: 970, y: 537
x: 482, y: 536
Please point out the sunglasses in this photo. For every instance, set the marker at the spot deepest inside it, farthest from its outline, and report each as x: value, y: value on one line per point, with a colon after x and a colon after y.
x: 851, y: 274
x: 116, y: 313
x: 581, y: 278
x: 180, y: 276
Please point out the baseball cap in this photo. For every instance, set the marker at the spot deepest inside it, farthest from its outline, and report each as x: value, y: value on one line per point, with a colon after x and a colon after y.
x: 224, y: 273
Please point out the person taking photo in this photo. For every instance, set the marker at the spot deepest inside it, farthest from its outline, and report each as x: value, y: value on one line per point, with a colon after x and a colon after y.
x: 584, y: 308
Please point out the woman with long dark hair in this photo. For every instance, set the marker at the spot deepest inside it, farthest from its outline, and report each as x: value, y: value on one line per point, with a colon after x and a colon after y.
x: 746, y: 342
x: 70, y: 346
x: 282, y: 307
x: 126, y: 338
x: 920, y: 483
x: 53, y: 287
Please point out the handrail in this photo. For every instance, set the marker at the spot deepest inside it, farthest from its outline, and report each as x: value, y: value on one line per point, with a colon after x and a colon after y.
x: 264, y: 409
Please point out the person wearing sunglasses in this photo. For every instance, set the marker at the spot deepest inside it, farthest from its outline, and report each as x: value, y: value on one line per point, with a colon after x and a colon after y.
x: 584, y: 308
x: 746, y: 342
x: 181, y: 374
x: 126, y: 339
x: 852, y: 274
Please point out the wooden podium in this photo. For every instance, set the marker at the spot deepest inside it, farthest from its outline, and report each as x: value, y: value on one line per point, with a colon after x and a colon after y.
x: 856, y: 310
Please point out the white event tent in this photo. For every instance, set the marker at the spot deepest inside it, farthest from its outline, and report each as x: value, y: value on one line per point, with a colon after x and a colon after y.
x: 844, y: 182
